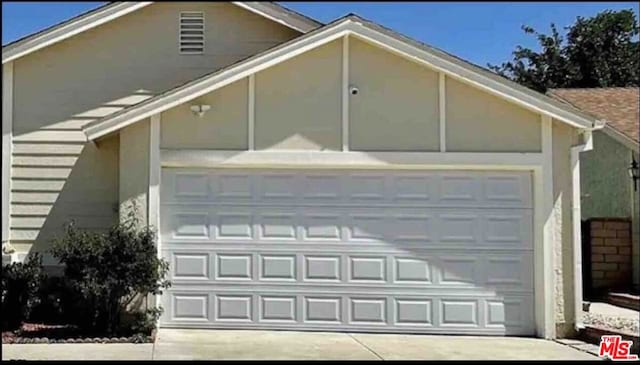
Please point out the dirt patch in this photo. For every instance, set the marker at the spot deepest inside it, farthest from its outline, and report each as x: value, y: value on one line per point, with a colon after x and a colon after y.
x: 52, y: 333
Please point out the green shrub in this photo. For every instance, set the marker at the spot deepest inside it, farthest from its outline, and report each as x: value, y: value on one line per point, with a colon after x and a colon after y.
x: 20, y: 286
x: 58, y: 303
x: 108, y: 270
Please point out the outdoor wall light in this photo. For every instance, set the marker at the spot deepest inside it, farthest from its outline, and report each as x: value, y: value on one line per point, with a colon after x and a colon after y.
x: 634, y: 173
x: 199, y: 110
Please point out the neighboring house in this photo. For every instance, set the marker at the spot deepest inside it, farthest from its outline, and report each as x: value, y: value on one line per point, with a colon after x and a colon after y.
x: 608, y: 191
x: 302, y: 176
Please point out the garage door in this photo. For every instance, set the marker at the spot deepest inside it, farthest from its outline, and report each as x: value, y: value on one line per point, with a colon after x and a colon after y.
x: 395, y: 251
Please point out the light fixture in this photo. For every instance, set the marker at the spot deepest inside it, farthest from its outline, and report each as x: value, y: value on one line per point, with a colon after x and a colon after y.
x: 199, y: 110
x: 634, y: 173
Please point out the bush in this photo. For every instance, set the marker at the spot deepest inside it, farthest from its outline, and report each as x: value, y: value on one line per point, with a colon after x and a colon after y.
x: 20, y: 286
x: 58, y: 303
x: 107, y: 271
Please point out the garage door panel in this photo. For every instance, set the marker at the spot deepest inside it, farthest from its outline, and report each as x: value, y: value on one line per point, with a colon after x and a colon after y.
x: 435, y: 227
x: 190, y: 266
x: 287, y: 187
x: 406, y: 251
x: 461, y: 314
x: 423, y: 270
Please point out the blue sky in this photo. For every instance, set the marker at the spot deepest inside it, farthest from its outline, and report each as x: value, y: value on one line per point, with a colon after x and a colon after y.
x: 482, y: 33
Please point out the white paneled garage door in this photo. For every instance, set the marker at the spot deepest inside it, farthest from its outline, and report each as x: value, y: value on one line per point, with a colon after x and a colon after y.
x: 398, y: 251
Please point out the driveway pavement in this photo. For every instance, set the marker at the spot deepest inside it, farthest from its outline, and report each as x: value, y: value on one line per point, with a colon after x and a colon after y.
x: 281, y: 345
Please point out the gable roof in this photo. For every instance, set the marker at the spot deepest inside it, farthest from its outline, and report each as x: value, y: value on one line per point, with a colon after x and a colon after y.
x: 114, y: 10
x: 350, y: 25
x: 619, y: 105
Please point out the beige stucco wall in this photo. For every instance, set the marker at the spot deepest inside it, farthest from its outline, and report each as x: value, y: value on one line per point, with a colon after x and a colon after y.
x: 134, y: 172
x: 223, y: 127
x: 298, y: 102
x: 397, y: 107
x: 60, y: 88
x: 563, y: 138
x: 298, y: 106
x: 480, y: 122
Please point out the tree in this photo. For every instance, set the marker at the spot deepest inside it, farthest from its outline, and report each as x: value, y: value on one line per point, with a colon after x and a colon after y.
x: 601, y: 51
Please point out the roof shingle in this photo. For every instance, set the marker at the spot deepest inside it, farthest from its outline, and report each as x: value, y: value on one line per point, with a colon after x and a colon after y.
x: 620, y: 106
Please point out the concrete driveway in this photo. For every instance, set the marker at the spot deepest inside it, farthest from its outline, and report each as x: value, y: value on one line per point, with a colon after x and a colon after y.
x: 281, y: 345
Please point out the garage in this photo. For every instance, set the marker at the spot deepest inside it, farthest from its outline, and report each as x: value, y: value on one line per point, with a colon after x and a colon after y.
x: 354, y: 180
x: 376, y: 250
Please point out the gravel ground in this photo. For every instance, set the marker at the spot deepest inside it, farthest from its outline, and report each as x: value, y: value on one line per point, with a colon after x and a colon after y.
x: 626, y: 325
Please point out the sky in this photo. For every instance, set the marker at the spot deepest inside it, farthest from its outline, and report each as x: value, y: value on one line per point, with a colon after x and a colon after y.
x: 480, y: 32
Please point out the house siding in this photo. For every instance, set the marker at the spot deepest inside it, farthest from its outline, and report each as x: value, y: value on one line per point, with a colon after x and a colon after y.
x: 605, y: 182
x: 607, y: 189
x: 60, y: 88
x: 56, y: 182
x: 480, y: 122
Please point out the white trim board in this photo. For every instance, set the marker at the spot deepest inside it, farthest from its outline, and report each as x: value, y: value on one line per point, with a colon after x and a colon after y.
x: 349, y: 26
x: 116, y: 10
x: 324, y: 159
x: 345, y: 93
x: 153, y: 194
x: 251, y: 112
x: 153, y: 204
x: 7, y: 146
x: 281, y: 16
x: 442, y: 110
x: 545, y: 226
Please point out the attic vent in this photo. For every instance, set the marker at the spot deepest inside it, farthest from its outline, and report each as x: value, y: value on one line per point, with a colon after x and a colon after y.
x: 191, y: 32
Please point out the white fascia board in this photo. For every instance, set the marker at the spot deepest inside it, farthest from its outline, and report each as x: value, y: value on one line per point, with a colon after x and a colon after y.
x: 63, y: 32
x: 215, y: 81
x: 349, y: 159
x: 7, y: 147
x: 264, y: 11
x: 468, y: 76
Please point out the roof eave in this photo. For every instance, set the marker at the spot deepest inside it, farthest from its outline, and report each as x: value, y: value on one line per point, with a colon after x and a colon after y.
x: 624, y: 139
x: 282, y: 15
x: 68, y: 29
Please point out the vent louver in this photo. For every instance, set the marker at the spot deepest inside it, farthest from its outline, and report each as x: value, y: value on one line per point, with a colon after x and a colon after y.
x: 191, y: 32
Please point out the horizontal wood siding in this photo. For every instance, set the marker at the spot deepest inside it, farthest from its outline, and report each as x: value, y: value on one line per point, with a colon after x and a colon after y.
x: 56, y: 175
